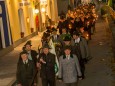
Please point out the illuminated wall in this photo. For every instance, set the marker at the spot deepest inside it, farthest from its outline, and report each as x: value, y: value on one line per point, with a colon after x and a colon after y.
x: 5, y: 34
x: 21, y: 17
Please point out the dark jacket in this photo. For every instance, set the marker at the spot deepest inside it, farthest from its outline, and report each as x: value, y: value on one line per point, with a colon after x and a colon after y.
x: 84, y: 49
x: 55, y: 40
x: 60, y: 26
x: 34, y: 56
x: 47, y: 70
x: 25, y: 73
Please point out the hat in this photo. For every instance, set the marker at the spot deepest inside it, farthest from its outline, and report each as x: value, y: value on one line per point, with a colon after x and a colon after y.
x: 62, y: 17
x: 54, y: 29
x: 80, y: 26
x: 67, y: 47
x: 46, y: 46
x: 45, y: 34
x: 28, y: 43
x: 71, y: 18
x: 23, y: 52
x: 76, y: 33
x: 48, y: 31
x: 67, y: 38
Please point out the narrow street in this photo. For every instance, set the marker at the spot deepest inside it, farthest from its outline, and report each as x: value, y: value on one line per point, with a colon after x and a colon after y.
x: 26, y: 20
x: 98, y: 69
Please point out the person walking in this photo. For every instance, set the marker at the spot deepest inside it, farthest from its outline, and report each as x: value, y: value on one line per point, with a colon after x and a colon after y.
x: 47, y: 62
x: 25, y: 71
x: 32, y: 54
x: 80, y: 48
x: 69, y: 69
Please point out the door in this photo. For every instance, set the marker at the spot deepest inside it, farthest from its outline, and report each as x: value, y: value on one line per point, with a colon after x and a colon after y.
x: 21, y: 20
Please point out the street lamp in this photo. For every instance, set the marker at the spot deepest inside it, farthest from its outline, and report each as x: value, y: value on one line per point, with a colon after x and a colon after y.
x: 36, y: 11
x: 43, y: 9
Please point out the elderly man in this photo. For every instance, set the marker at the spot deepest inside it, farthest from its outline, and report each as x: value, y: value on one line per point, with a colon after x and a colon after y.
x: 66, y: 42
x: 32, y: 54
x: 47, y: 61
x: 25, y: 71
x: 69, y: 68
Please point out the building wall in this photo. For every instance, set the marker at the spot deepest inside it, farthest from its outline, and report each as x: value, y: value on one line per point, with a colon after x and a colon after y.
x: 62, y: 6
x: 54, y: 10
x: 13, y: 17
x: 5, y: 35
x: 13, y: 7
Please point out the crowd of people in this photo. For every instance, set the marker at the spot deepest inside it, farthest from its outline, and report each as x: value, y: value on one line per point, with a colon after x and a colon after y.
x: 64, y: 50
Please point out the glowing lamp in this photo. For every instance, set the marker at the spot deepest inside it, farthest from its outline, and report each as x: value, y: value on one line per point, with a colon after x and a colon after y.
x: 43, y: 9
x: 36, y: 11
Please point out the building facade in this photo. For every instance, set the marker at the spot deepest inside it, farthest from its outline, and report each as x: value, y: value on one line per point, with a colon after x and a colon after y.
x: 22, y: 19
x: 21, y: 16
x: 5, y: 30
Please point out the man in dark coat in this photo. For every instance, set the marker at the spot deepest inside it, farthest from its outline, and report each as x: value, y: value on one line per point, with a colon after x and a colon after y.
x: 32, y: 54
x: 81, y: 50
x: 87, y: 28
x: 25, y: 71
x: 61, y: 24
x: 47, y: 61
x: 55, y: 36
x: 71, y: 26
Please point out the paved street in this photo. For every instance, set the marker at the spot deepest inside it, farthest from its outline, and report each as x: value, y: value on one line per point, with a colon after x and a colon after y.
x: 8, y: 62
x: 98, y: 70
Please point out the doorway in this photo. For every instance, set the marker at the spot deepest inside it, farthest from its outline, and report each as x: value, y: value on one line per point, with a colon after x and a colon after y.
x: 21, y: 20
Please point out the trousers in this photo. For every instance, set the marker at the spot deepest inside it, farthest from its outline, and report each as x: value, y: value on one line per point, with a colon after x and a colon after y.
x: 71, y: 84
x: 48, y: 82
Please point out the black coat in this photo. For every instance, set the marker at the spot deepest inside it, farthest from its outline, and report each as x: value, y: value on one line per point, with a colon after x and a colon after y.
x: 34, y: 56
x: 55, y: 40
x: 60, y: 26
x: 47, y: 70
x: 25, y: 73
